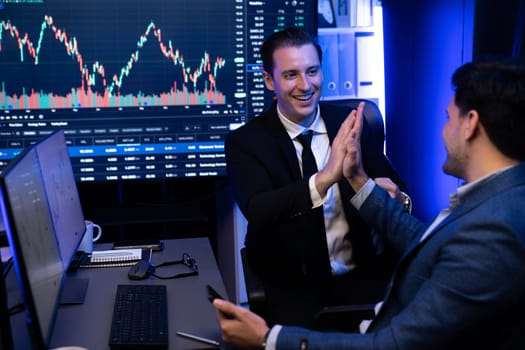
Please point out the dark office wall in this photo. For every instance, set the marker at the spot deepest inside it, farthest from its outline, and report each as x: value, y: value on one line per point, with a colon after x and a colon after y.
x: 499, y: 28
x: 425, y: 41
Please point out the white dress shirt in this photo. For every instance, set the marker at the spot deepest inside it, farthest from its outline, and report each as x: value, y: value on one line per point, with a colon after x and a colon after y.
x: 336, y: 225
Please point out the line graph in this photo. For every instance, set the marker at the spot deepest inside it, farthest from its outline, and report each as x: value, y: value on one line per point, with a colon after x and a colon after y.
x: 95, y: 85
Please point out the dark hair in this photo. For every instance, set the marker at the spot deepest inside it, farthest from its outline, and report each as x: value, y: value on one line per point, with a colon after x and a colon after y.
x: 285, y: 38
x: 496, y: 90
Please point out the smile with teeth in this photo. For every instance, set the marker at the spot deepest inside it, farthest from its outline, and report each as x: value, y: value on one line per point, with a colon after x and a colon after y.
x: 303, y: 97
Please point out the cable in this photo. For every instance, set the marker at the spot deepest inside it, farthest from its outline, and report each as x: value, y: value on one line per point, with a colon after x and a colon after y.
x: 7, y: 266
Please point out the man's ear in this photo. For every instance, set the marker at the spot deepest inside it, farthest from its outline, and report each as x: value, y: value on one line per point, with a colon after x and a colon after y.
x: 472, y: 125
x: 268, y: 81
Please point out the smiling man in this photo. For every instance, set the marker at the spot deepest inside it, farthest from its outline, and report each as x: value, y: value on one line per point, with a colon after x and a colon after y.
x: 304, y: 237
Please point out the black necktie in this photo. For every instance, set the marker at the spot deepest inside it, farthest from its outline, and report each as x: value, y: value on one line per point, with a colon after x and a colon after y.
x: 308, y: 159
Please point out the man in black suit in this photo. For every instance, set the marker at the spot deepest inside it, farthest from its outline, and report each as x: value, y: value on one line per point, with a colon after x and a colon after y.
x: 304, y: 238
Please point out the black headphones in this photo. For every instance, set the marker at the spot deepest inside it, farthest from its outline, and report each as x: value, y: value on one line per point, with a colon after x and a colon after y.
x: 186, y: 260
x: 143, y: 269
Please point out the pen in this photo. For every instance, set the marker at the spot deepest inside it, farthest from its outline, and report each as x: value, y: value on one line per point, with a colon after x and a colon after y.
x: 201, y: 339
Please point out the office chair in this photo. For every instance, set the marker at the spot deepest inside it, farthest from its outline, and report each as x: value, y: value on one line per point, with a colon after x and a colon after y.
x: 254, y: 286
x: 342, y: 318
x: 333, y: 318
x: 371, y: 114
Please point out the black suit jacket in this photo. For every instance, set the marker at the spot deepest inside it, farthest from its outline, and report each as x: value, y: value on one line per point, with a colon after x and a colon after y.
x: 286, y: 239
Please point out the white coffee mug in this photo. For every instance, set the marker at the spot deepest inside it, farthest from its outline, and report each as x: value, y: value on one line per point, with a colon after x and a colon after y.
x: 86, y: 245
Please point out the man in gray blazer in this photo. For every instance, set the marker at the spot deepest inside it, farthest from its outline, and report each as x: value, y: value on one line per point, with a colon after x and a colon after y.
x: 460, y: 283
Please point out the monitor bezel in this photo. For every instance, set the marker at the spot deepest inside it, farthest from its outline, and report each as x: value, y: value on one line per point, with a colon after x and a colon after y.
x: 6, y: 336
x: 37, y: 336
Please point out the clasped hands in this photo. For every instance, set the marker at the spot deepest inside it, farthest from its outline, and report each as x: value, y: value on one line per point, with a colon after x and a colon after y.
x: 345, y: 159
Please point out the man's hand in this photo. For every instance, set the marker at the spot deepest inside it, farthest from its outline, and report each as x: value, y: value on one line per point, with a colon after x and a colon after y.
x: 353, y: 169
x: 240, y: 326
x: 389, y: 186
x: 333, y: 170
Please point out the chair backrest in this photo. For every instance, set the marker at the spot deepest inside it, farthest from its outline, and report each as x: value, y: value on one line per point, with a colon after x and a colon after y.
x: 371, y: 113
x: 254, y: 285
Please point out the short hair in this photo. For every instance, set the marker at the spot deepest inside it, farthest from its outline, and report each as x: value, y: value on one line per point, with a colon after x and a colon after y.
x: 496, y: 90
x: 288, y: 37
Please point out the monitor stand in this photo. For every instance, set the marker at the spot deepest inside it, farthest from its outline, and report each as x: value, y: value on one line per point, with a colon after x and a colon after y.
x: 74, y: 291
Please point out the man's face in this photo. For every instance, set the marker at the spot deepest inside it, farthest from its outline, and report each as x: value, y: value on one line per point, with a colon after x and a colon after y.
x: 296, y: 81
x: 454, y: 143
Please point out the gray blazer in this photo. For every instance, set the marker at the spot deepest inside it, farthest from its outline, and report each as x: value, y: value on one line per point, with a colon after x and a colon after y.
x: 462, y: 287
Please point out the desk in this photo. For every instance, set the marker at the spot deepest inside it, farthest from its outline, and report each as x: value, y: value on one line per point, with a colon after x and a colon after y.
x: 189, y: 311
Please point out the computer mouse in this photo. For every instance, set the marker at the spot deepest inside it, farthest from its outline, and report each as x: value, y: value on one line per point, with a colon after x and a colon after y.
x: 140, y: 270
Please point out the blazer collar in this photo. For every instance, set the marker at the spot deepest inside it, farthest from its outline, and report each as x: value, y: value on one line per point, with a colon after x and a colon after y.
x: 333, y: 118
x: 509, y: 178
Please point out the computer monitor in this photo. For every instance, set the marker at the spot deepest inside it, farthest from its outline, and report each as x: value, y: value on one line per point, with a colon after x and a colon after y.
x: 62, y: 195
x: 33, y: 243
x: 145, y: 90
x: 44, y: 224
x: 6, y: 337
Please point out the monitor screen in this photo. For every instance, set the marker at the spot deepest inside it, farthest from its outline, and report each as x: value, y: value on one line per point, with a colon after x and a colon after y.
x: 33, y: 243
x: 62, y: 195
x: 144, y: 90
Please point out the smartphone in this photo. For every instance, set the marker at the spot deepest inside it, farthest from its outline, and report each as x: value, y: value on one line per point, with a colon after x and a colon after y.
x: 212, y: 294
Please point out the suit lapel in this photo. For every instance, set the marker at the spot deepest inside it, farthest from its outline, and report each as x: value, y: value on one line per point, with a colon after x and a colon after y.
x: 281, y: 138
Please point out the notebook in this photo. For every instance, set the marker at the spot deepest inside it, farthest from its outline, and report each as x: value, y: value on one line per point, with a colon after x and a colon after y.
x: 114, y: 258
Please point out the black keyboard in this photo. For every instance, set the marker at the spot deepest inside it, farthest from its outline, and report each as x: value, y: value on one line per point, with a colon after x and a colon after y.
x: 140, y: 317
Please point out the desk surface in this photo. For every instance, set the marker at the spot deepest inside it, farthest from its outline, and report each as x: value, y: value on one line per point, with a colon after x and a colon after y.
x: 88, y: 324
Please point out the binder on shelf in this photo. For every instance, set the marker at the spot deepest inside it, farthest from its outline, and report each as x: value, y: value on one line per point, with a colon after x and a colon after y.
x: 347, y: 64
x: 114, y: 258
x: 328, y: 43
x: 361, y: 13
x: 366, y: 63
x: 354, y: 13
x: 342, y: 13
